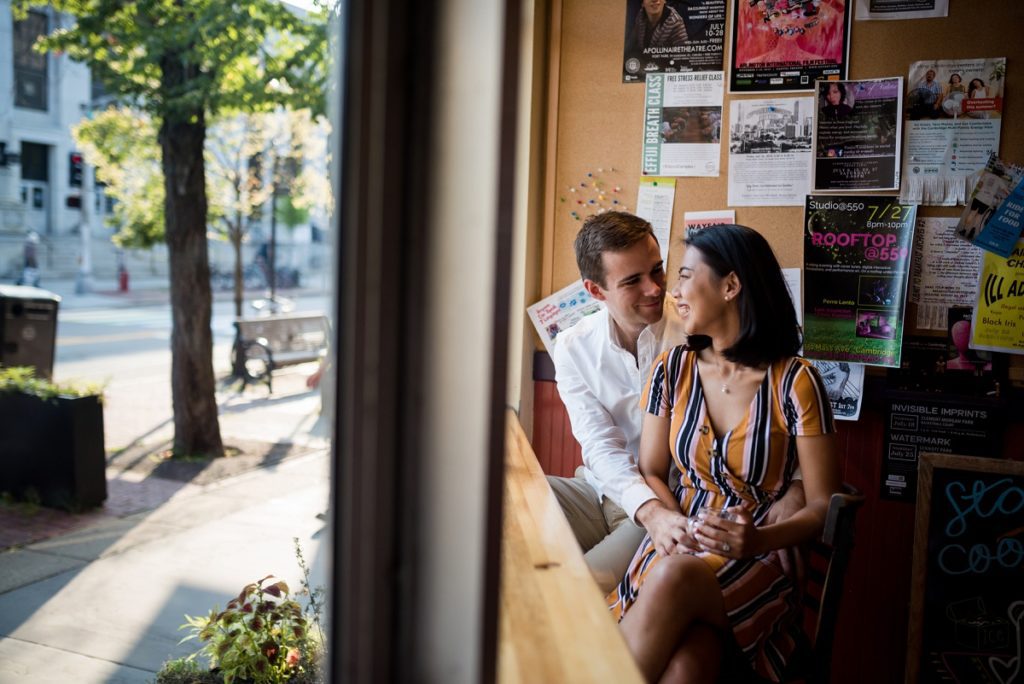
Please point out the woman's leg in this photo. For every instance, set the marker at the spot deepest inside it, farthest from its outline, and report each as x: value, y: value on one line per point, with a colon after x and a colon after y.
x: 698, y: 660
x: 678, y: 592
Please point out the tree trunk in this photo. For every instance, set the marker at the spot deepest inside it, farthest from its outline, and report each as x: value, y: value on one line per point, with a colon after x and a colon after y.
x: 196, y: 430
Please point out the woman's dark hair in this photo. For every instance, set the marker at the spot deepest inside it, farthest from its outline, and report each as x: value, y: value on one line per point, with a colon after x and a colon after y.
x: 970, y: 86
x: 839, y: 86
x: 768, y: 324
x: 959, y: 77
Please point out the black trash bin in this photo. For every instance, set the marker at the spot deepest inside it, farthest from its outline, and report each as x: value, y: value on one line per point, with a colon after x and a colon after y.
x: 28, y: 328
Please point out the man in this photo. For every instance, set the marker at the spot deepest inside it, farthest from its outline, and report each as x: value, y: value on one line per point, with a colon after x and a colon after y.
x: 601, y: 366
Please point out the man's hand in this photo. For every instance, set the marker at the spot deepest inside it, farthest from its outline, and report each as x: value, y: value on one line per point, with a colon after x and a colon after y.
x: 789, y: 504
x: 668, y: 529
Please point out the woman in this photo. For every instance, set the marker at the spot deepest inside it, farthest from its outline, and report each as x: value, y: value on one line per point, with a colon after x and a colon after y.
x: 738, y: 412
x: 657, y: 25
x: 835, y: 105
x: 955, y: 92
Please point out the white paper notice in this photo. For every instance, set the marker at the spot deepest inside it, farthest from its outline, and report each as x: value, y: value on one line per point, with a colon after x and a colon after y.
x: 683, y: 124
x: 561, y: 311
x: 770, y: 152
x: 654, y: 202
x: 944, y: 272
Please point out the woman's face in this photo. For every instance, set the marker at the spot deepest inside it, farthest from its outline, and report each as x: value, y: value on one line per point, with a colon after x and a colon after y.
x: 955, y: 79
x: 833, y: 95
x: 975, y: 84
x: 699, y: 294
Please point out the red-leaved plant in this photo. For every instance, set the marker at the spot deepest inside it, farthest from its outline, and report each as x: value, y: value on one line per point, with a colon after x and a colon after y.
x: 261, y: 636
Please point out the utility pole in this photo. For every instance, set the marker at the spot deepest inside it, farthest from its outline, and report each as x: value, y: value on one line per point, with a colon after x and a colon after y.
x: 83, y: 282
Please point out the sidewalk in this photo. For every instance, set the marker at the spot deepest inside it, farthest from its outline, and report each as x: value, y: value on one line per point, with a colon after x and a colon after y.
x: 100, y: 596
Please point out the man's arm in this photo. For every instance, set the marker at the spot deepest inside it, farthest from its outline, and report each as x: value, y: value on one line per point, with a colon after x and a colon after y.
x: 603, y: 442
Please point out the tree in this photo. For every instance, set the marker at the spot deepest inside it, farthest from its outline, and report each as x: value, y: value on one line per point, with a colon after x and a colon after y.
x: 183, y: 62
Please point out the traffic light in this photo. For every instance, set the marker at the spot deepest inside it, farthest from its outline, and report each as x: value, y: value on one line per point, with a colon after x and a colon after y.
x: 75, y: 169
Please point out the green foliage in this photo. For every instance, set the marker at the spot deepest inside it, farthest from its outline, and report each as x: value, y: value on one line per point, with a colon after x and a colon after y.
x: 23, y: 380
x: 185, y: 671
x: 263, y: 635
x: 176, y: 59
x: 121, y: 143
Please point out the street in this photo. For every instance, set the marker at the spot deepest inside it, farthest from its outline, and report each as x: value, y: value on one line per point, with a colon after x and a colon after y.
x: 126, y: 349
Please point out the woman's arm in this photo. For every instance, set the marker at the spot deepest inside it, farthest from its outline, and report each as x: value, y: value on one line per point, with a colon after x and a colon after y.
x: 662, y: 517
x: 818, y: 462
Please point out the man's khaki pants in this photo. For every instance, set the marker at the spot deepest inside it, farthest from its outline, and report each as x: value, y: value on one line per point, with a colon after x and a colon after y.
x: 608, y: 538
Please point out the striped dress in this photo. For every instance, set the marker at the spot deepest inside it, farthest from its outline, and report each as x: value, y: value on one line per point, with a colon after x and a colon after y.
x: 750, y: 466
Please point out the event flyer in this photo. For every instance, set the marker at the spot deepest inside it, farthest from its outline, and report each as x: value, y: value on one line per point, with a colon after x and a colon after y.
x: 901, y: 9
x: 561, y: 311
x: 683, y: 124
x: 785, y: 46
x: 856, y: 265
x: 992, y: 219
x: 951, y: 275
x: 999, y: 309
x: 770, y: 152
x: 954, y: 110
x: 857, y: 135
x: 673, y: 36
x: 919, y: 422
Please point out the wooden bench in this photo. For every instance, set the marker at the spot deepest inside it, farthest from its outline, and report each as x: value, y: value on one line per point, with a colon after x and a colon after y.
x: 267, y: 343
x: 554, y: 625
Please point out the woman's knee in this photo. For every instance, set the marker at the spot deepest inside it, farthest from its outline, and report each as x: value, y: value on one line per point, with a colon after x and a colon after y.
x: 682, y: 572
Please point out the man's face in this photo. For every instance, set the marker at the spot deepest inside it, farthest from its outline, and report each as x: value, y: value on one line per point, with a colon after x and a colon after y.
x: 929, y: 76
x: 634, y: 285
x: 653, y: 7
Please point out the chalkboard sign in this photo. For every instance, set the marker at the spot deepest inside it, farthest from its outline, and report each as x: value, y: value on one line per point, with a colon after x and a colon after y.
x: 967, y: 596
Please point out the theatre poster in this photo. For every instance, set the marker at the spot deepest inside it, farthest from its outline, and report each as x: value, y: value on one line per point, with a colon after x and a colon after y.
x: 954, y: 111
x: 694, y: 39
x: 999, y: 311
x: 786, y: 46
x: 856, y: 265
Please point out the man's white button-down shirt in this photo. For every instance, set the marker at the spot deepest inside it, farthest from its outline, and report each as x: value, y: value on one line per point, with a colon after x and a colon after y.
x: 600, y: 384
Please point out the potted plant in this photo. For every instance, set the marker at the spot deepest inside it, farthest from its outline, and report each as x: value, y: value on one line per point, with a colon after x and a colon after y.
x: 51, y: 440
x: 263, y: 636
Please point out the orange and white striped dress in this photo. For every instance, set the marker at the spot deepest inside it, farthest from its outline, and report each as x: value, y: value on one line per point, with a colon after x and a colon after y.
x: 750, y: 466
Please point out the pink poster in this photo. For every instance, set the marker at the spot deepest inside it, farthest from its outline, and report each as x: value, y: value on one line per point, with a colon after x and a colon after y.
x: 784, y: 45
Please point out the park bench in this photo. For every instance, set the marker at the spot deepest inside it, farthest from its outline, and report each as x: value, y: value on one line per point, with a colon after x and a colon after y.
x: 267, y: 343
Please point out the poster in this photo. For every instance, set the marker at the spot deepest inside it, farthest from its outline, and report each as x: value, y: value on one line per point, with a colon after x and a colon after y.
x: 698, y: 220
x: 770, y: 152
x: 856, y: 265
x: 954, y: 110
x: 683, y: 124
x: 844, y: 381
x: 857, y: 135
x: 844, y: 384
x: 901, y: 9
x: 678, y: 35
x: 999, y: 309
x: 654, y: 200
x: 784, y: 46
x: 951, y: 275
x: 561, y: 311
x: 993, y: 214
x: 946, y: 424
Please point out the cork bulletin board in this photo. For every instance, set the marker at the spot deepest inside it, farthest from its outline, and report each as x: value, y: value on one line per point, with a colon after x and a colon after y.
x: 595, y: 121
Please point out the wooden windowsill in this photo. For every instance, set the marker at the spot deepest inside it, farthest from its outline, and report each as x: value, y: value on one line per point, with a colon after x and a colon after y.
x: 554, y: 625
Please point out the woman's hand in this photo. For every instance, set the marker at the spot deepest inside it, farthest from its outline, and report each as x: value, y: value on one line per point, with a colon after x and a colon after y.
x: 737, y: 538
x: 669, y: 530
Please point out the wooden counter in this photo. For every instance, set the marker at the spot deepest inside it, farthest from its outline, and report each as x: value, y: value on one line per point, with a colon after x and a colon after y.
x: 554, y: 625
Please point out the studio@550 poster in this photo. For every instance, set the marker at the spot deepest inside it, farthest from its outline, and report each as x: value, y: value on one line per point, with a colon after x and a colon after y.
x: 856, y: 264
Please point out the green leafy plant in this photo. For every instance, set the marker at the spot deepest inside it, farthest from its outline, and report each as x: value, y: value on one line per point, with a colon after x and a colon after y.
x: 262, y: 636
x: 23, y: 380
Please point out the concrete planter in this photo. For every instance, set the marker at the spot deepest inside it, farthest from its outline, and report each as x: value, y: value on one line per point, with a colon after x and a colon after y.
x: 54, y: 447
